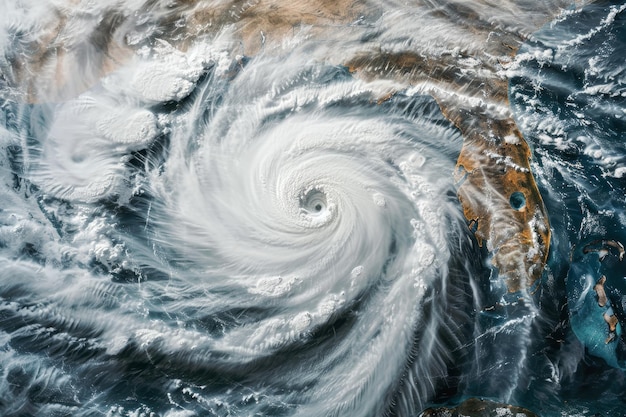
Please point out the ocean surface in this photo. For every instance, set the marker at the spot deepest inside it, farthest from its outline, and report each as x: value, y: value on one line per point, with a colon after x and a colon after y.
x: 569, y: 99
x: 203, y: 217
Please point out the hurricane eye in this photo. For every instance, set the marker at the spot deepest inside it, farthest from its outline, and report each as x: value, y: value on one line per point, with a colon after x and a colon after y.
x: 313, y: 201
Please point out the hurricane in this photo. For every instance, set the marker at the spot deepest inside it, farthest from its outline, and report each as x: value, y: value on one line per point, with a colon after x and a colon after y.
x: 225, y: 208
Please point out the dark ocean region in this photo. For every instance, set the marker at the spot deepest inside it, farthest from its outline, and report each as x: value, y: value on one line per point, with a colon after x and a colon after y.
x: 568, y: 94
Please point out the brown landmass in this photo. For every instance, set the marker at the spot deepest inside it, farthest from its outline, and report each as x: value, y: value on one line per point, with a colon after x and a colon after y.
x: 600, y: 292
x: 612, y: 321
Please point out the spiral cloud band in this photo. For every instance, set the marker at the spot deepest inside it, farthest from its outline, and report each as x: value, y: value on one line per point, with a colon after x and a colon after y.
x: 323, y: 213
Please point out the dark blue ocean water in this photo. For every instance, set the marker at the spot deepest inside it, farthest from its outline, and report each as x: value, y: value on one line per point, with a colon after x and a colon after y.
x: 569, y: 98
